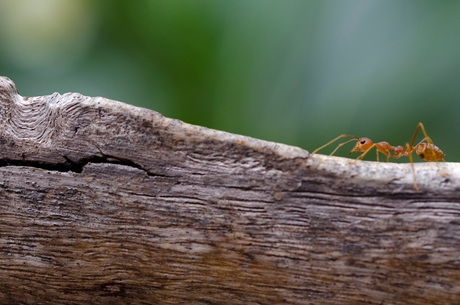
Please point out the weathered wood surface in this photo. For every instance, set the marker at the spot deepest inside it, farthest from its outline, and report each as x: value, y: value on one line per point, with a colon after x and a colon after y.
x: 106, y: 203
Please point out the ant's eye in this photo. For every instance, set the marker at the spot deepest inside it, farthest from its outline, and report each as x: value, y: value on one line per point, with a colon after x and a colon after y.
x: 363, y: 141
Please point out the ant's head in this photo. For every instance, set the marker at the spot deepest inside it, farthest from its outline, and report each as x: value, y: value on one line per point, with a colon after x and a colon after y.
x: 362, y: 145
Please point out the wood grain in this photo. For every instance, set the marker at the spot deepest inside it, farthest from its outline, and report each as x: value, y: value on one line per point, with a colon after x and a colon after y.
x: 106, y: 203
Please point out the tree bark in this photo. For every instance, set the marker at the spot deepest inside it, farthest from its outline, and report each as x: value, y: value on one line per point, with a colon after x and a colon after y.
x: 106, y: 203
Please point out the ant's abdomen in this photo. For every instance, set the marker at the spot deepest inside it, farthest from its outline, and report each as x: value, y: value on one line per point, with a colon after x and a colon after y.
x: 429, y: 152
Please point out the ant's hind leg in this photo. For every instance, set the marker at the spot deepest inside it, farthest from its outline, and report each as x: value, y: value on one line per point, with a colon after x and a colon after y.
x: 440, y: 171
x: 413, y: 172
x: 427, y: 138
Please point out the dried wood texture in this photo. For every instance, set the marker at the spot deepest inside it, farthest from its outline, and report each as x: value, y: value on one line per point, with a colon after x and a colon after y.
x: 106, y: 203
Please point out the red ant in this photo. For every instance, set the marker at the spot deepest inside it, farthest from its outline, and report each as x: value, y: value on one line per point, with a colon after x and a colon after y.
x: 425, y: 149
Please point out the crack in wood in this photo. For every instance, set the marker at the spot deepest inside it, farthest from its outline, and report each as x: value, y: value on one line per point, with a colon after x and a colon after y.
x: 75, y: 166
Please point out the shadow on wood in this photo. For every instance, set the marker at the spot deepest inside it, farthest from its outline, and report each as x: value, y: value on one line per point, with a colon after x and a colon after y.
x: 106, y: 203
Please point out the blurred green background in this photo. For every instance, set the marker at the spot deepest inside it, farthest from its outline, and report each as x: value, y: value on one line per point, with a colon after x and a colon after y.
x: 298, y: 72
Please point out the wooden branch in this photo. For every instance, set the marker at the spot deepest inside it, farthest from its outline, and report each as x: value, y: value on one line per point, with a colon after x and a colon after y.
x: 106, y: 203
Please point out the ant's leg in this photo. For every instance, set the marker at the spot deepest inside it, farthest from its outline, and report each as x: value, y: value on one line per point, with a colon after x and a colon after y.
x: 363, y: 154
x: 427, y: 138
x: 377, y: 153
x: 440, y: 171
x: 415, y: 133
x: 413, y: 172
x: 423, y: 140
x: 387, y: 153
x: 330, y: 142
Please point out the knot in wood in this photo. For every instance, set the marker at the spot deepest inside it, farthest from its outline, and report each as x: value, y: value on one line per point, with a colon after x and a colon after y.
x: 7, y: 88
x: 34, y: 118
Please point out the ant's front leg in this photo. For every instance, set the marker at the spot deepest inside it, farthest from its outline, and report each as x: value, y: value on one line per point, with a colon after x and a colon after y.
x: 364, y: 153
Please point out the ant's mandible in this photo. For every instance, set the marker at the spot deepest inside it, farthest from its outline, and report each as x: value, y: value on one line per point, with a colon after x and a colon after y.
x: 425, y: 149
